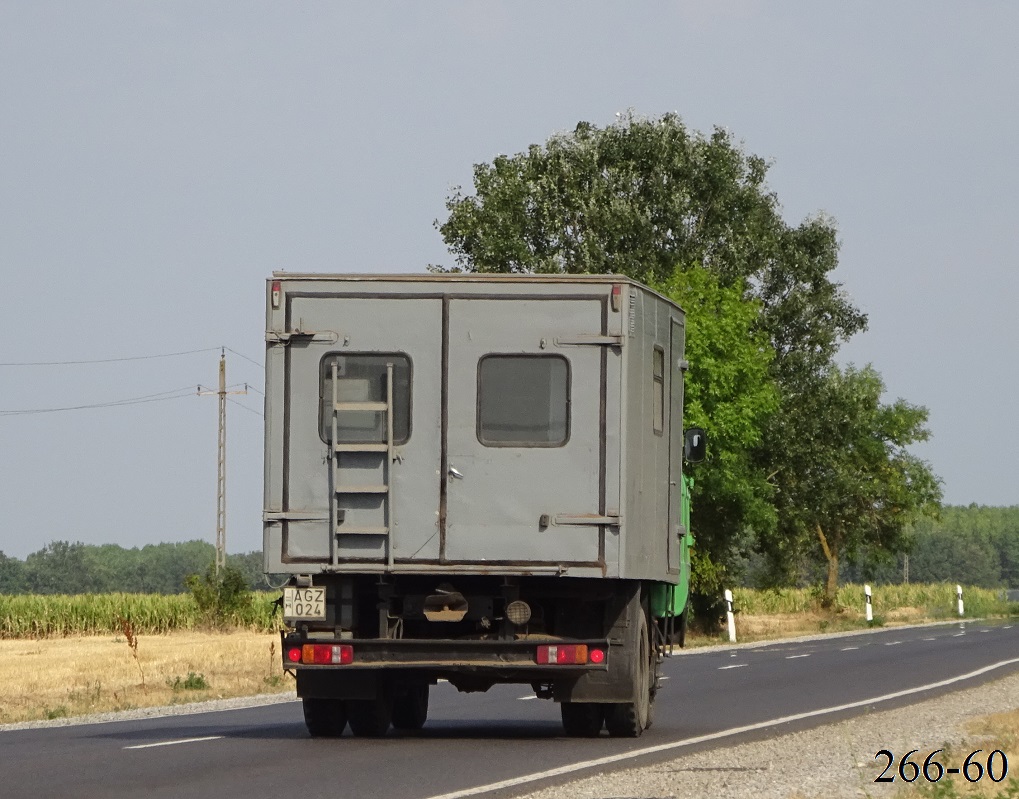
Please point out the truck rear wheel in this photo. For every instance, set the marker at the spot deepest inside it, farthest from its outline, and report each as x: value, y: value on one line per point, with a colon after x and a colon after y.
x: 324, y: 718
x: 630, y: 719
x: 582, y: 719
x: 370, y: 718
x: 410, y: 707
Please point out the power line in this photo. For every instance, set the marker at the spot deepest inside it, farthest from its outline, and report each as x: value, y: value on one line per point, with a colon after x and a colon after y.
x: 245, y: 357
x: 242, y: 405
x: 114, y: 360
x: 177, y: 393
x: 133, y: 358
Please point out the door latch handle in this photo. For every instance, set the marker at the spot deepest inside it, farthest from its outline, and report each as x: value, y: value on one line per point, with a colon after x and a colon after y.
x: 453, y: 472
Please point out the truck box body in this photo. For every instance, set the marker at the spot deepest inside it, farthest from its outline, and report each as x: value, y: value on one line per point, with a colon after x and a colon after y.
x: 467, y: 475
x: 558, y: 400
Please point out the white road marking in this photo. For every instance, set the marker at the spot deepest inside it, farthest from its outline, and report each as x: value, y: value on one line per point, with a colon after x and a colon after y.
x: 662, y: 679
x: 892, y: 643
x: 956, y: 635
x: 522, y: 698
x: 930, y: 639
x: 793, y: 657
x: 848, y: 648
x: 651, y: 750
x: 174, y: 743
x: 733, y: 666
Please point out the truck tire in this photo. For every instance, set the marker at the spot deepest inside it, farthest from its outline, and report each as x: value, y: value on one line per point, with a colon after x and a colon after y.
x: 410, y: 708
x: 370, y: 718
x: 630, y: 719
x: 582, y: 719
x: 324, y: 718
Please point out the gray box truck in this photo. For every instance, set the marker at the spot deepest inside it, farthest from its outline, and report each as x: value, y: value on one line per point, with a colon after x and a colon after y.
x: 478, y: 479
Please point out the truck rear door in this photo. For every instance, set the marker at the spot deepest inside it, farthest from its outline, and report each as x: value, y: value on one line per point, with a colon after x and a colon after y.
x: 448, y: 428
x: 525, y: 427
x: 362, y: 438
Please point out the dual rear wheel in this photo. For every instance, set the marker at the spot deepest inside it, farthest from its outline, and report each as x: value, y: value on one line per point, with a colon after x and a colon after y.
x: 621, y: 719
x: 404, y: 708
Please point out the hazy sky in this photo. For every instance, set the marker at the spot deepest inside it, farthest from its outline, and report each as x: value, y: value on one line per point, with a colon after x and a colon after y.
x: 159, y: 160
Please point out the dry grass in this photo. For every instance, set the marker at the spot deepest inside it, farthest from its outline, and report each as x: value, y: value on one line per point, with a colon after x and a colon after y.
x: 768, y: 626
x: 52, y: 678
x: 987, y: 733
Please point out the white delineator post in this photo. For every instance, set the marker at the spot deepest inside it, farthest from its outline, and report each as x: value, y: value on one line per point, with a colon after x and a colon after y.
x: 870, y: 608
x: 958, y: 596
x: 729, y: 616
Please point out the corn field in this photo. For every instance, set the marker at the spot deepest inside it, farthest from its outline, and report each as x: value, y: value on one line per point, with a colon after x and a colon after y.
x: 937, y: 600
x: 55, y: 616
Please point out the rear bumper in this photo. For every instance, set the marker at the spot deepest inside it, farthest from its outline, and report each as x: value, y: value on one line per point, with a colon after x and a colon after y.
x: 516, y: 658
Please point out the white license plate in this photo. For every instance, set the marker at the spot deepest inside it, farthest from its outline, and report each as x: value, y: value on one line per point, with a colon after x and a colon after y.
x: 304, y: 603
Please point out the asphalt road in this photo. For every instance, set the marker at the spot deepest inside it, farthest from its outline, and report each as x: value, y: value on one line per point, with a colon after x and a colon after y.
x: 505, y: 740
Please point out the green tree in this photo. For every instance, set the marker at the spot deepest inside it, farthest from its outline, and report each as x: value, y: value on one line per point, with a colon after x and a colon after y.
x: 856, y: 484
x: 729, y: 390
x: 222, y: 596
x: 645, y: 197
x: 58, y: 568
x: 12, y: 575
x: 652, y: 200
x: 972, y: 545
x: 943, y: 554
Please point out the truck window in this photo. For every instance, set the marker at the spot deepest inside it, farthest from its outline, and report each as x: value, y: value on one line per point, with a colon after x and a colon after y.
x: 523, y: 400
x: 361, y: 377
x: 658, y: 390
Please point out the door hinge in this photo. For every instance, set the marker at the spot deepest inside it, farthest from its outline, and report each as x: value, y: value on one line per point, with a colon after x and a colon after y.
x: 586, y: 518
x: 584, y: 340
x: 286, y: 337
x: 270, y: 516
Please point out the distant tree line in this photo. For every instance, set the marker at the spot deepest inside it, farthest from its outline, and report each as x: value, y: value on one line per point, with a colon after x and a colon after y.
x: 62, y: 567
x: 974, y: 545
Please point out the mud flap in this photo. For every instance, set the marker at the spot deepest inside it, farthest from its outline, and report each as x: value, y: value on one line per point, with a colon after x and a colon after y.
x: 616, y: 684
x: 329, y: 684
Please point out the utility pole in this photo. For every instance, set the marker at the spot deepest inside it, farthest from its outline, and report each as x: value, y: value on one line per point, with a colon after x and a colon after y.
x: 221, y: 468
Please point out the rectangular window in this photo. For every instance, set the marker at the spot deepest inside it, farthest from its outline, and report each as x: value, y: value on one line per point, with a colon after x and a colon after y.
x: 658, y: 390
x: 523, y: 400
x: 361, y: 377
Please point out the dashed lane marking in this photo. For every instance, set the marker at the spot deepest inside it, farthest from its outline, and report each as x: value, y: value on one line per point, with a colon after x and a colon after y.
x: 175, y: 743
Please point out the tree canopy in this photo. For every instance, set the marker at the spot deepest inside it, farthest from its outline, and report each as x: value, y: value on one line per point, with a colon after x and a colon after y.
x: 693, y: 216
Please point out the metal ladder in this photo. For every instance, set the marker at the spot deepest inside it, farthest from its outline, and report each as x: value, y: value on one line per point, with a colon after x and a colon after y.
x: 339, y: 449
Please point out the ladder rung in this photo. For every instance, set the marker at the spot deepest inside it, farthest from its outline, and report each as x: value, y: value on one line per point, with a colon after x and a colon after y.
x: 362, y: 489
x: 361, y: 406
x: 362, y: 530
x: 361, y: 447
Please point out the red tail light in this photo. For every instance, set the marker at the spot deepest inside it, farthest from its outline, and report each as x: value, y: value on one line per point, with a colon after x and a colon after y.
x: 563, y: 654
x: 324, y: 654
